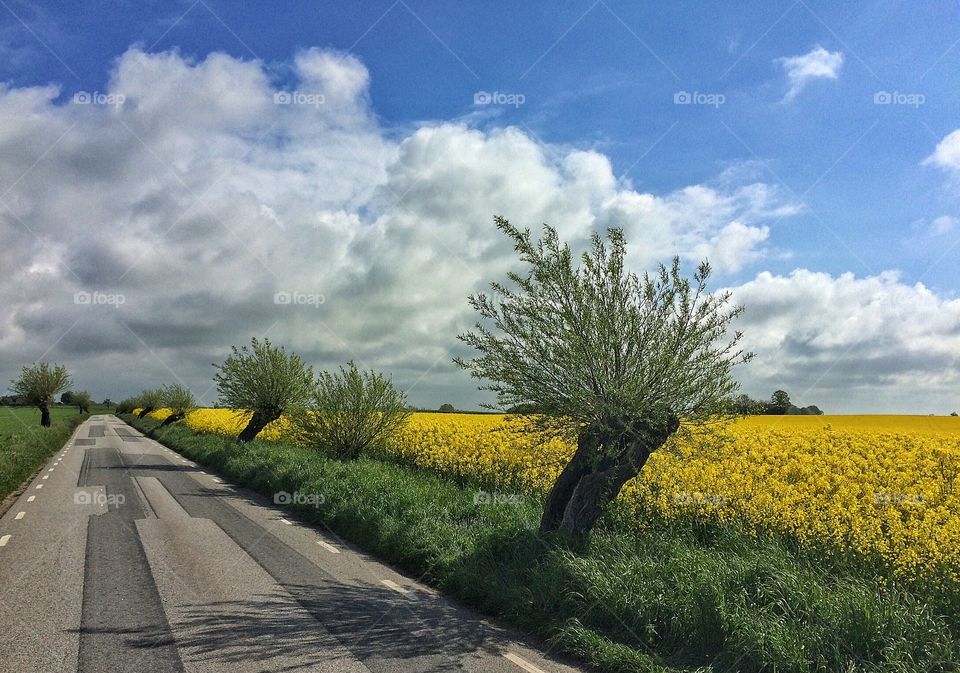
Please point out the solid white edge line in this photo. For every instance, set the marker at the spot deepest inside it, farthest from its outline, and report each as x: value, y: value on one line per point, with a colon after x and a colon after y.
x: 4, y: 540
x: 522, y: 663
x: 329, y: 547
x: 390, y: 584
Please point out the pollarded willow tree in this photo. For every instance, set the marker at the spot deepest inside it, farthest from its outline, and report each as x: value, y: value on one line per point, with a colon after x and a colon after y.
x: 265, y: 381
x: 179, y: 400
x: 82, y: 400
x: 39, y: 384
x: 149, y: 400
x: 606, y: 358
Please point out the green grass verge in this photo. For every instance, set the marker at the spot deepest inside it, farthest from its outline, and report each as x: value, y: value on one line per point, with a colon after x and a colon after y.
x: 667, y: 597
x: 25, y: 445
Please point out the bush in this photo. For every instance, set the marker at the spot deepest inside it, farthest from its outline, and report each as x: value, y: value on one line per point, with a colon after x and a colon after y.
x: 350, y: 412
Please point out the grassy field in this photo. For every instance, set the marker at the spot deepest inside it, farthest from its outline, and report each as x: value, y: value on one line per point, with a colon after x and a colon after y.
x: 675, y: 594
x: 25, y: 445
x: 15, y: 420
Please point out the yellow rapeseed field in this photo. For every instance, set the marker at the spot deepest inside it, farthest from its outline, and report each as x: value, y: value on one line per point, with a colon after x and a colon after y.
x: 882, y: 486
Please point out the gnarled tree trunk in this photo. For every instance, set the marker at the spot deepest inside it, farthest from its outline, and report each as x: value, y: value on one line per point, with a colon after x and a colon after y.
x: 44, y: 414
x: 605, y: 460
x: 172, y: 418
x: 144, y: 412
x: 257, y: 423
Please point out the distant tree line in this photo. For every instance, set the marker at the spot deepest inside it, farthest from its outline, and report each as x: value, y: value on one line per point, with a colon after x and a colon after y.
x: 779, y: 404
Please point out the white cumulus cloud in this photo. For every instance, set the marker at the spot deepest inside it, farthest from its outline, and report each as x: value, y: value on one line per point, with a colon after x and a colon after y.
x: 800, y: 70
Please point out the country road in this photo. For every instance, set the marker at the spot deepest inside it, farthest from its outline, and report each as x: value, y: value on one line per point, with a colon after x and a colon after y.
x: 121, y: 555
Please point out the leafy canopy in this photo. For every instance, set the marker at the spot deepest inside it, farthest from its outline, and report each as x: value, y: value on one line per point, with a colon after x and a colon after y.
x: 595, y: 344
x: 264, y: 379
x: 178, y: 399
x: 40, y: 382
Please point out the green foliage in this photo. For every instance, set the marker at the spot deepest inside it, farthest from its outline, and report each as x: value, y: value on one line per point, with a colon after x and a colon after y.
x: 67, y: 398
x: 127, y: 405
x: 780, y: 402
x: 82, y: 400
x: 263, y: 379
x: 178, y: 399
x: 446, y: 408
x: 350, y: 412
x: 150, y: 399
x: 583, y: 345
x: 40, y: 383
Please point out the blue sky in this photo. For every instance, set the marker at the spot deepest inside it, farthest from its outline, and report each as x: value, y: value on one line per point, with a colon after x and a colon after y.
x: 604, y: 77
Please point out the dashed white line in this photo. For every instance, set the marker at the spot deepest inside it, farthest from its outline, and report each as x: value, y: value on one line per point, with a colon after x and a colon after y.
x: 390, y: 584
x: 46, y: 476
x: 329, y: 547
x: 31, y: 498
x: 50, y: 470
x: 39, y: 486
x: 522, y: 663
x: 4, y: 540
x: 286, y: 522
x: 20, y: 515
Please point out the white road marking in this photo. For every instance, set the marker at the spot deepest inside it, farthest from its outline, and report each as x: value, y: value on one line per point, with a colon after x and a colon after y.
x: 286, y: 522
x: 50, y: 470
x: 329, y: 547
x: 20, y: 515
x: 522, y: 663
x: 46, y: 476
x: 31, y: 498
x: 4, y: 540
x: 39, y: 486
x: 390, y: 584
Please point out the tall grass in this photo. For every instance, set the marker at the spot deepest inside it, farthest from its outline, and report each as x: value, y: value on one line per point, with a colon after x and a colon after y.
x: 670, y: 596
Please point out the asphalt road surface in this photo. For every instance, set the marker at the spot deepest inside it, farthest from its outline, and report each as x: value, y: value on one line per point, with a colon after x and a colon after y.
x: 123, y: 556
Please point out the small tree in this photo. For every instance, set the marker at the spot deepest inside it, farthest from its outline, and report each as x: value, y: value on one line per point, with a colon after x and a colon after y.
x: 446, y: 408
x: 150, y: 400
x: 351, y: 412
x: 179, y: 400
x: 82, y: 399
x: 39, y: 384
x: 67, y: 398
x: 602, y: 356
x: 263, y: 380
